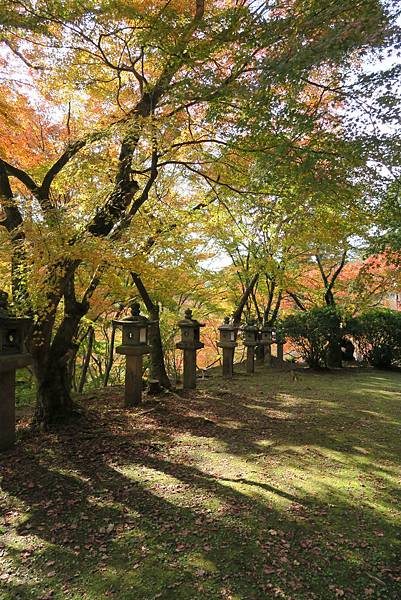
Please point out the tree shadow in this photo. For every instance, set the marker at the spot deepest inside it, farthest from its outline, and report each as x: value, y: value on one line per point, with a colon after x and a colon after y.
x: 116, y: 508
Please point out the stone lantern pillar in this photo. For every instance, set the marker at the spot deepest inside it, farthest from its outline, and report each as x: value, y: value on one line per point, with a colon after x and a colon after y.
x: 250, y: 341
x: 265, y: 339
x: 12, y: 356
x: 227, y: 341
x: 190, y: 343
x: 135, y: 330
x: 280, y: 341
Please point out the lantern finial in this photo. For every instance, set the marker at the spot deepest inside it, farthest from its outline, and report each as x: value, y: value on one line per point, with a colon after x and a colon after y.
x: 188, y: 314
x: 226, y: 320
x: 135, y: 309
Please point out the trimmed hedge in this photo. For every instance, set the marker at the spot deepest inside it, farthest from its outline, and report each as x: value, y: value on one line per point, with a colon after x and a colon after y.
x: 316, y: 333
x: 377, y: 333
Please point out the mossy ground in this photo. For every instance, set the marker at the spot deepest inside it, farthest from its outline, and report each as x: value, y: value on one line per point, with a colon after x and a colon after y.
x: 285, y: 484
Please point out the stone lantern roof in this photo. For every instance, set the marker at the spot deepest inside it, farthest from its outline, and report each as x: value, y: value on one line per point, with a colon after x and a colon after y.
x: 190, y: 332
x: 250, y: 330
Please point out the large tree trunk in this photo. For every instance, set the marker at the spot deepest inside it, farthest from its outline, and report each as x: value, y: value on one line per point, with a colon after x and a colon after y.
x: 110, y: 357
x: 157, y: 364
x: 51, y: 360
x: 334, y: 354
x: 51, y: 364
x: 53, y: 399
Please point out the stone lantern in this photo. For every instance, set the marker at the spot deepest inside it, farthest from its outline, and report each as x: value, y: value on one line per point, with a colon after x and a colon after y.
x: 250, y: 342
x: 190, y: 343
x: 265, y: 340
x: 135, y: 334
x: 228, y: 336
x: 13, y: 356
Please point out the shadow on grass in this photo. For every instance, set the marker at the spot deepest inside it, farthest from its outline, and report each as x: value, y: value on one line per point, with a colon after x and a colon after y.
x: 116, y: 510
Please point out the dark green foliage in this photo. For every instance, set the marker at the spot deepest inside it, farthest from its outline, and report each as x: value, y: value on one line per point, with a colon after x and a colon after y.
x: 377, y: 333
x: 312, y: 332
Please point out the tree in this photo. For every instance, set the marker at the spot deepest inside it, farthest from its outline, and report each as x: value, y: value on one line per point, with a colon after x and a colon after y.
x: 157, y: 368
x: 121, y: 93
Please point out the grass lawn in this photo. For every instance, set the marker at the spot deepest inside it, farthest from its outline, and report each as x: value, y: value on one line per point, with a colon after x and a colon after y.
x: 272, y: 486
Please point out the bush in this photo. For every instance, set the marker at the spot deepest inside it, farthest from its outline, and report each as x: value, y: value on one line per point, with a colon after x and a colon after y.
x: 314, y: 332
x: 377, y: 333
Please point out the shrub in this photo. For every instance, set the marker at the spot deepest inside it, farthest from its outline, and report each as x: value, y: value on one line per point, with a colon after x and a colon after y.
x: 314, y: 332
x: 377, y: 333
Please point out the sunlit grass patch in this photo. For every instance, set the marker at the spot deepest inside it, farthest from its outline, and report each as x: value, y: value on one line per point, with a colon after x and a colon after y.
x: 264, y: 487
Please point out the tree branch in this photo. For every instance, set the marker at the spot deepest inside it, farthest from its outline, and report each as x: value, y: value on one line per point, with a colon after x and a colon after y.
x: 55, y: 169
x: 338, y: 271
x: 297, y: 301
x: 237, y: 314
x: 13, y: 219
x: 323, y: 274
x: 150, y: 306
x: 276, y: 308
x: 22, y: 176
x: 21, y: 56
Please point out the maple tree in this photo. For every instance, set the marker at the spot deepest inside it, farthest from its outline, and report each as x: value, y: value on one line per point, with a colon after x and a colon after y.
x: 115, y: 97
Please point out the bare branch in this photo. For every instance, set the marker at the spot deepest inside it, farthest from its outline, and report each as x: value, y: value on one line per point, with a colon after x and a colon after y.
x: 21, y: 56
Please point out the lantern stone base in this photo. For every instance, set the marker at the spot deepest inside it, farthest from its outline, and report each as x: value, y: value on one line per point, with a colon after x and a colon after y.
x: 250, y: 358
x: 268, y: 356
x: 228, y: 362
x: 189, y: 375
x: 133, y: 373
x: 133, y: 380
x: 259, y: 354
x: 154, y: 387
x: 228, y: 358
x: 190, y: 368
x: 8, y: 366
